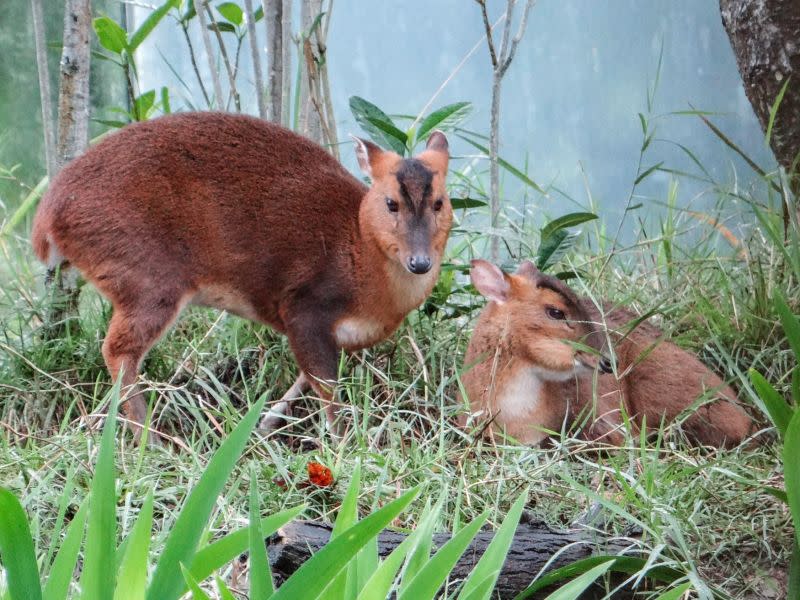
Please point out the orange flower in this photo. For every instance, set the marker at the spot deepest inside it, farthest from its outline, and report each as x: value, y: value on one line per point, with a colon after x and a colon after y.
x: 319, y: 474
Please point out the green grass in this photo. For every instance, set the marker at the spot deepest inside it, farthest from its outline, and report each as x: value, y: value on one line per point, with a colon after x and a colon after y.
x: 702, y: 513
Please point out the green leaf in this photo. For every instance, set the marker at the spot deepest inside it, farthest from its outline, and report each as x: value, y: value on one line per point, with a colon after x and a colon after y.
x: 466, y: 203
x: 431, y: 577
x: 791, y: 326
x: 380, y: 583
x: 421, y: 553
x: 99, y: 564
x: 506, y: 165
x: 261, y: 586
x: 347, y: 517
x: 197, y: 592
x: 111, y: 36
x: 315, y: 574
x: 647, y: 172
x: 143, y: 104
x: 153, y: 19
x: 675, y: 593
x: 25, y: 208
x: 61, y: 572
x: 578, y: 585
x: 444, y: 118
x: 16, y: 550
x: 553, y: 249
x: 775, y: 406
x: 568, y: 220
x: 132, y: 578
x: 224, y: 592
x: 791, y: 470
x: 378, y: 125
x: 492, y: 560
x: 225, y: 549
x: 773, y: 111
x: 181, y: 543
x: 794, y: 574
x: 222, y: 26
x: 231, y: 12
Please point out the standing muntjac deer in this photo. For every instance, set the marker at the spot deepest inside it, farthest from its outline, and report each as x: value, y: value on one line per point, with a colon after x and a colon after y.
x: 236, y: 213
x: 535, y: 362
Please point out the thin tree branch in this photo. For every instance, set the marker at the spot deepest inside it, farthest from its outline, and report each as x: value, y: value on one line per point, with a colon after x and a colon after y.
x: 520, y: 32
x: 198, y: 8
x: 225, y: 60
x: 488, y: 28
x: 193, y: 58
x: 44, y: 87
x: 256, y: 57
x: 273, y: 20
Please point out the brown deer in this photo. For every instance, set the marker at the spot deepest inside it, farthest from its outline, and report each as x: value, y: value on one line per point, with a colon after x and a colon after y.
x: 541, y: 357
x: 236, y: 213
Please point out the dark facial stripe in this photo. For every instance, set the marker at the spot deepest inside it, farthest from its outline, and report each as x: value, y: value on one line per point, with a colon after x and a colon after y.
x: 415, y: 181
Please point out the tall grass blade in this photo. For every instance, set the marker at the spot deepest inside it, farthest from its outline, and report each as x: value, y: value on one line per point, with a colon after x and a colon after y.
x: 776, y: 408
x: 150, y: 23
x: 431, y: 577
x: 132, y: 578
x: 793, y: 586
x: 224, y: 592
x: 261, y: 586
x: 791, y: 326
x: 675, y: 593
x: 506, y: 165
x: 773, y: 111
x: 99, y: 566
x: 315, y: 574
x: 343, y: 586
x: 422, y: 549
x: 26, y: 207
x: 495, y: 555
x: 16, y: 550
x: 565, y: 221
x: 61, y: 572
x: 791, y: 470
x: 194, y: 587
x: 182, y: 541
x: 225, y: 549
x: 577, y: 586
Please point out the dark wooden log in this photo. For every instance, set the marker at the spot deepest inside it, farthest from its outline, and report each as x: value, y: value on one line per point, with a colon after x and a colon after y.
x: 534, y: 544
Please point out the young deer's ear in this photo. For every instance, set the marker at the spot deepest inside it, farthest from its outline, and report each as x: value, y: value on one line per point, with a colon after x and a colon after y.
x: 437, y: 141
x: 490, y: 281
x: 367, y: 154
x: 437, y: 152
x: 527, y: 269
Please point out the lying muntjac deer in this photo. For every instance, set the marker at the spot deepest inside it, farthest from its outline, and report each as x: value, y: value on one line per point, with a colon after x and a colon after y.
x: 236, y: 213
x: 535, y: 362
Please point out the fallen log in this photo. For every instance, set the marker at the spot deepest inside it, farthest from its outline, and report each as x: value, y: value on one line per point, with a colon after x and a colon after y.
x: 535, y: 543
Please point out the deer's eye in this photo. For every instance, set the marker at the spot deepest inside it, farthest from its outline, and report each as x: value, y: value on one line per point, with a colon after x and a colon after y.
x: 392, y: 205
x: 437, y: 206
x: 555, y: 313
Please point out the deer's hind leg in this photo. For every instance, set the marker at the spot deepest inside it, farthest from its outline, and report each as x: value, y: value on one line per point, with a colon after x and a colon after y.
x: 134, y: 328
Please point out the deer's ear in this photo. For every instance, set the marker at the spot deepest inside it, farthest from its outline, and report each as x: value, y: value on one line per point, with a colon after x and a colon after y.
x: 490, y: 281
x: 437, y: 153
x: 527, y: 269
x: 368, y: 155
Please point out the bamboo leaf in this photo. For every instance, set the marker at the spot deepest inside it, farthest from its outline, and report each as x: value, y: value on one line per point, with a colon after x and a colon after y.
x: 568, y: 220
x: 506, y: 165
x: 444, y: 118
x: 457, y: 203
x: 153, y: 19
x: 553, y: 249
x: 378, y: 125
x: 315, y: 574
x: 647, y: 172
x: 16, y: 550
x: 111, y: 36
x: 181, y: 544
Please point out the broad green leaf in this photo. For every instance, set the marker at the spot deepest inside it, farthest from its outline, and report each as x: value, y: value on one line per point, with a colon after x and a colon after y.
x: 232, y: 12
x: 150, y: 23
x: 466, y: 203
x: 194, y: 587
x: 225, y: 549
x: 444, y: 118
x: 16, y: 550
x: 791, y: 470
x: 484, y: 588
x: 315, y: 574
x: 387, y: 134
x: 222, y: 26
x: 577, y: 586
x: 431, y: 577
x: 111, y: 36
x: 143, y: 104
x: 776, y: 407
x: 61, y: 572
x: 261, y: 586
x: 553, y: 249
x: 568, y: 220
x: 181, y: 543
x: 132, y: 578
x: 629, y: 565
x: 675, y: 593
x: 99, y: 564
x: 347, y: 517
x: 379, y: 584
x: 495, y: 555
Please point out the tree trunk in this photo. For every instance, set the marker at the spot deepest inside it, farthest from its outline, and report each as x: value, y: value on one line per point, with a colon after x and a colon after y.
x: 273, y: 19
x: 309, y: 123
x: 73, y: 97
x: 256, y: 57
x: 534, y: 545
x: 765, y: 36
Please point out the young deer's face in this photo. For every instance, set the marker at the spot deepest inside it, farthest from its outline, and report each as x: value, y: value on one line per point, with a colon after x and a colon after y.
x: 407, y: 209
x: 543, y: 318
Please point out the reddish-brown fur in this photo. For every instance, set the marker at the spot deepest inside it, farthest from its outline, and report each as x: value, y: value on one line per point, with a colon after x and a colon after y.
x: 239, y: 214
x: 520, y: 372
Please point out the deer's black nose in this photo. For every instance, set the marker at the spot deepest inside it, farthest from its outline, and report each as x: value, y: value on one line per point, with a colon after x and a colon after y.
x: 419, y: 264
x: 605, y: 365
